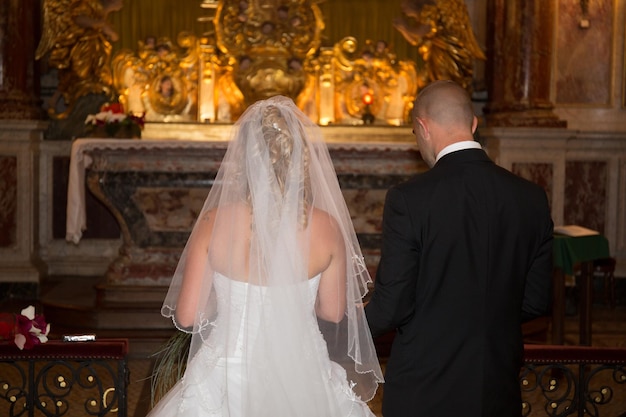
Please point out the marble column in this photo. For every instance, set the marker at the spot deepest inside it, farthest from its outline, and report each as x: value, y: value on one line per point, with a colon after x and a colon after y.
x: 519, y: 64
x: 19, y: 28
x: 21, y: 132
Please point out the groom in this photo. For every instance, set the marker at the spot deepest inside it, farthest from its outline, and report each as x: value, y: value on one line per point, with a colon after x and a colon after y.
x: 466, y: 258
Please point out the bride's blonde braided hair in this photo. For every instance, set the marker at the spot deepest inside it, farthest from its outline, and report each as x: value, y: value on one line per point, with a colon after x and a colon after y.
x: 280, y: 144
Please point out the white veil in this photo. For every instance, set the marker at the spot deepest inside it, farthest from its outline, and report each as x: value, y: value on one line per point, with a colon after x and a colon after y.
x: 242, y: 286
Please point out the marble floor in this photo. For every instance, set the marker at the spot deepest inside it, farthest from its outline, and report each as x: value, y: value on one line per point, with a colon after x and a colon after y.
x: 608, y: 329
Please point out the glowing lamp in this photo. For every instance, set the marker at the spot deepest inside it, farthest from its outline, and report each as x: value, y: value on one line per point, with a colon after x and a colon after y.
x: 367, y: 116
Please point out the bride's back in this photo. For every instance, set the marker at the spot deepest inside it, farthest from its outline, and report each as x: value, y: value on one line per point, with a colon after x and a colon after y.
x: 232, y: 256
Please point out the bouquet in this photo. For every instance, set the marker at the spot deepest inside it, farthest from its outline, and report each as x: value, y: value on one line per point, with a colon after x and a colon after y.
x: 113, y: 122
x: 26, y: 329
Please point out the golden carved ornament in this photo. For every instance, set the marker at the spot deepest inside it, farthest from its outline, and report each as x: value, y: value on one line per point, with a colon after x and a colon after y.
x: 350, y: 74
x: 262, y: 49
x: 270, y: 40
x: 161, y: 80
x: 442, y: 32
x: 76, y: 40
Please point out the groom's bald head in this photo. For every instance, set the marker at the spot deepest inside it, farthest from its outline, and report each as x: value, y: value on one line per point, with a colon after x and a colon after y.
x: 442, y: 115
x: 446, y: 103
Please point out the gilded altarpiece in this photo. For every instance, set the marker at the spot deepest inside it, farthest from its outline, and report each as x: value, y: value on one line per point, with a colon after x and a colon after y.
x: 260, y: 49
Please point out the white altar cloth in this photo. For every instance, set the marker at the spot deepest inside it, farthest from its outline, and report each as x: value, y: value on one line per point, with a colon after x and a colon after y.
x: 80, y: 160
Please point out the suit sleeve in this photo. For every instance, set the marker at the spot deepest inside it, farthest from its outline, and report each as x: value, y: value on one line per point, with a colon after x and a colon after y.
x: 392, y: 302
x: 538, y: 288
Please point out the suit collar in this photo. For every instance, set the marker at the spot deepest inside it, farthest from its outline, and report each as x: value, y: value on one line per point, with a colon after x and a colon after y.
x: 471, y: 154
x: 458, y: 146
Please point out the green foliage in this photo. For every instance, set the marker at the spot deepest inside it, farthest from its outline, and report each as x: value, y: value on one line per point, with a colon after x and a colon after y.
x: 170, y: 365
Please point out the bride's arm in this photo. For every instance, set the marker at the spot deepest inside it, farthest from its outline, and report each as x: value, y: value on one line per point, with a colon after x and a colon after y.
x: 331, y: 296
x: 197, y: 269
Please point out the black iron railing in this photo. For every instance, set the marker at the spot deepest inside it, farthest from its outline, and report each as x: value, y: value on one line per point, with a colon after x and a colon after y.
x: 573, y: 381
x: 64, y: 379
x: 90, y: 379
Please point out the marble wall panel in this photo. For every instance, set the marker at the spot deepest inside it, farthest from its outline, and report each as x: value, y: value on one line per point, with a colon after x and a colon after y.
x: 138, y: 197
x: 587, y: 178
x: 586, y: 194
x: 8, y: 201
x: 168, y: 209
x: 165, y: 213
x: 19, y: 254
x: 366, y: 209
x: 365, y: 197
x: 584, y: 55
x: 620, y: 221
x: 541, y: 174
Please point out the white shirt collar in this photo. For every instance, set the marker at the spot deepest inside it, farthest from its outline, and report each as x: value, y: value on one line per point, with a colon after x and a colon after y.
x: 458, y: 146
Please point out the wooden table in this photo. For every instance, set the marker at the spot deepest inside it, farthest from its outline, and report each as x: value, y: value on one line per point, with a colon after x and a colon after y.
x: 571, y: 253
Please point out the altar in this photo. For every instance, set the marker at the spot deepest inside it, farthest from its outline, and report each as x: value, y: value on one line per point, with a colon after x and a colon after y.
x: 156, y: 187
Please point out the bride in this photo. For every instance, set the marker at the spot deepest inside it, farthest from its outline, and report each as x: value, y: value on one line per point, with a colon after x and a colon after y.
x: 270, y: 283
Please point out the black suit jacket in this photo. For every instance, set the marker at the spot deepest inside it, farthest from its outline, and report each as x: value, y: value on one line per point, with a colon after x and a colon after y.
x: 466, y: 257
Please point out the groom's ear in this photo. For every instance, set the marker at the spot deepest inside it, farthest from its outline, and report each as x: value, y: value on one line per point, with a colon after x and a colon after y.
x: 422, y: 124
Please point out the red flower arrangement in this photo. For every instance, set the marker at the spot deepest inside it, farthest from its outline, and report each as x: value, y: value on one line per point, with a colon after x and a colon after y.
x: 26, y: 329
x: 113, y: 122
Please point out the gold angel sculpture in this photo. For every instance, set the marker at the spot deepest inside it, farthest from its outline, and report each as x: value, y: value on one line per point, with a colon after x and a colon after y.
x: 442, y: 31
x: 76, y: 40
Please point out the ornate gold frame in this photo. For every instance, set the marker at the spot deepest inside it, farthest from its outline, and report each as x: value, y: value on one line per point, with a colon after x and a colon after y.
x: 164, y: 102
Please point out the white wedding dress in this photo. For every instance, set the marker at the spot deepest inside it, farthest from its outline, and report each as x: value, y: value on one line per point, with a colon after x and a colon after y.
x: 212, y: 384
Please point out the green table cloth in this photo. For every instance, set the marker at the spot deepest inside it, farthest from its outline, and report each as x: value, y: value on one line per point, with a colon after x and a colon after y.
x: 568, y: 251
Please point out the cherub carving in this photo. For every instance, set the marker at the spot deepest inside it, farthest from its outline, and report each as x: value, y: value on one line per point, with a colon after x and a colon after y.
x: 76, y: 40
x: 442, y: 31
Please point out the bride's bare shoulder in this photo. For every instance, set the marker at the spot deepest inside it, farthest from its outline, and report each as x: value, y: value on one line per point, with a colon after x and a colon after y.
x: 323, y: 222
x: 322, y: 215
x: 226, y: 216
x: 228, y: 210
